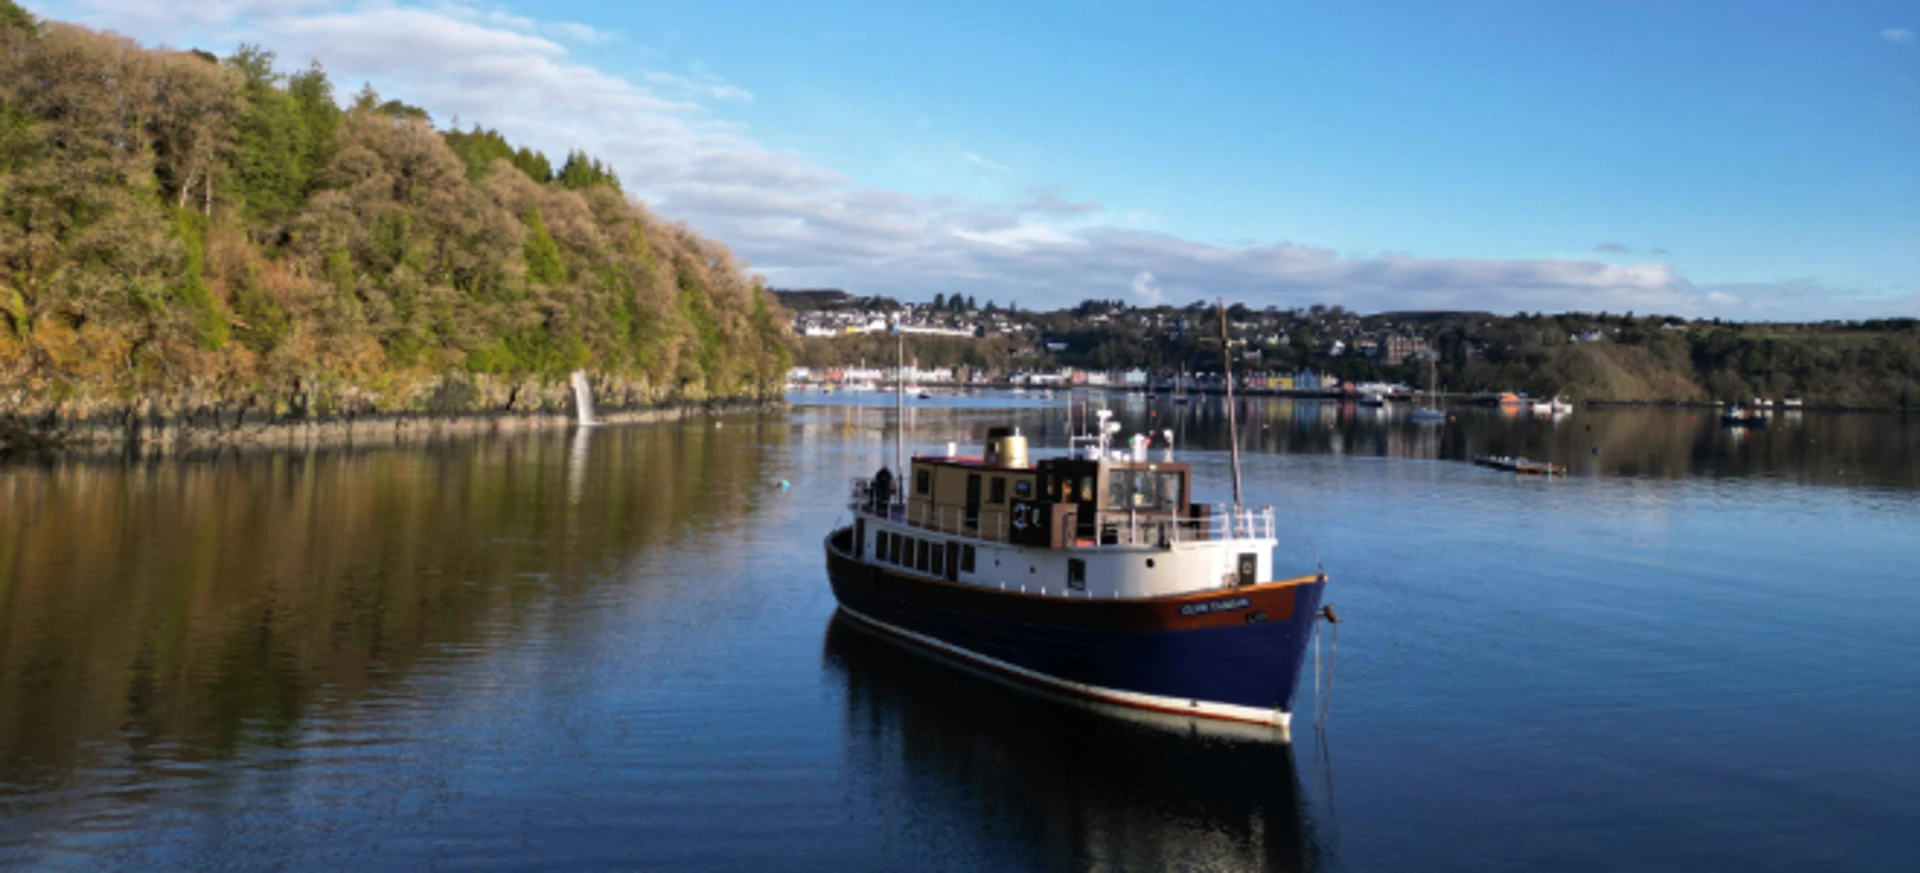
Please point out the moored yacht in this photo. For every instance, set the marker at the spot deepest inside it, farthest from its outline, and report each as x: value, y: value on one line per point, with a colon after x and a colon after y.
x: 1093, y: 573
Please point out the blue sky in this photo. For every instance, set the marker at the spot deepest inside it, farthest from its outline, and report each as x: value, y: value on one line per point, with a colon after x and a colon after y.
x: 1744, y: 159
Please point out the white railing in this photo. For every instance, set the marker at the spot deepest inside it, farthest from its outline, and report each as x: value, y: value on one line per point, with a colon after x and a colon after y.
x: 1223, y: 522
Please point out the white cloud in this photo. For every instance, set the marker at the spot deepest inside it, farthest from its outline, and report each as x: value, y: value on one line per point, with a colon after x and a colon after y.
x: 805, y: 225
x: 1897, y: 35
x: 985, y: 163
x: 1143, y: 288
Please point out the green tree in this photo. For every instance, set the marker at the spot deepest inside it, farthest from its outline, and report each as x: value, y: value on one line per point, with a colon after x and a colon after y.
x: 581, y: 172
x: 12, y: 17
x: 544, y: 266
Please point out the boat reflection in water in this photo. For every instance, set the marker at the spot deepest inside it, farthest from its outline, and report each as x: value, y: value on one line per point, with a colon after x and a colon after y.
x: 1056, y: 782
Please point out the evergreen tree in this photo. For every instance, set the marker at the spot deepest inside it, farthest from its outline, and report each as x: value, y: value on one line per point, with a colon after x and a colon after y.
x: 939, y: 301
x: 12, y: 17
x: 534, y: 164
x: 267, y: 164
x: 581, y: 172
x: 319, y: 120
x: 542, y: 253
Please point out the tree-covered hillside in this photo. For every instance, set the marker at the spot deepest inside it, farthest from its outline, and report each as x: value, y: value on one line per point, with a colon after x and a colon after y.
x: 179, y: 232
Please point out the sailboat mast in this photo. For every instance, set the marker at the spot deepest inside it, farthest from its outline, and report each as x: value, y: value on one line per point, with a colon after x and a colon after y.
x: 1233, y: 425
x: 900, y: 408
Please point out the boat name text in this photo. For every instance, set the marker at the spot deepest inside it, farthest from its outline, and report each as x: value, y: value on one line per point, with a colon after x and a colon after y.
x: 1207, y: 606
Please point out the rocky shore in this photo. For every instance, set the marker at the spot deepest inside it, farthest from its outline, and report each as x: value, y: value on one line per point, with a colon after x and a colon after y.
x: 453, y: 406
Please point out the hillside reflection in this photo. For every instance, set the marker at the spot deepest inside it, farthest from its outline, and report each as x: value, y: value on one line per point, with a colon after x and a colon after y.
x: 974, y: 759
x: 188, y: 610
x: 1823, y: 448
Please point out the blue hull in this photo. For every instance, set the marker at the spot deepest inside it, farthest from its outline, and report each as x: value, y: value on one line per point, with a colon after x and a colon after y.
x: 1255, y: 664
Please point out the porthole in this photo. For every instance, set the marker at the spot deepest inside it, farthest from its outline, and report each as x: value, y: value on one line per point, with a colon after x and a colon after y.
x: 1149, y: 563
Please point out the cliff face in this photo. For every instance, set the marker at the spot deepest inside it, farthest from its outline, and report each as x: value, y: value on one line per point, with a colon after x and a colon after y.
x: 185, y: 237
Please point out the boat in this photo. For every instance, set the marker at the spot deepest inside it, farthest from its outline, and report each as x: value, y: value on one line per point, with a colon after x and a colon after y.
x: 1521, y: 466
x: 1541, y: 407
x: 1792, y: 403
x: 1561, y: 405
x: 1739, y: 416
x: 1373, y: 398
x: 1092, y: 573
x: 1428, y: 413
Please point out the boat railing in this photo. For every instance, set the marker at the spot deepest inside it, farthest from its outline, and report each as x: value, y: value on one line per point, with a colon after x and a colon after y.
x: 1107, y: 528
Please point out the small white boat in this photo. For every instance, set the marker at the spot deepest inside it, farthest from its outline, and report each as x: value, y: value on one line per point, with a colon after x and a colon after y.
x: 1561, y: 406
x: 1373, y: 398
x: 1428, y: 416
x: 1541, y: 407
x: 1791, y: 403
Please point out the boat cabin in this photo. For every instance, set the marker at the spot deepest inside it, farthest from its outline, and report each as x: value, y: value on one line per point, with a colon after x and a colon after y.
x: 1057, y: 503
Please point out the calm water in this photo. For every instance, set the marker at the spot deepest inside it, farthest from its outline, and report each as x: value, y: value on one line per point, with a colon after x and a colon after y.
x: 616, y: 650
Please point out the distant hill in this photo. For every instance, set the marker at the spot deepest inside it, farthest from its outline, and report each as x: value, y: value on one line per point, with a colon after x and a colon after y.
x: 811, y: 299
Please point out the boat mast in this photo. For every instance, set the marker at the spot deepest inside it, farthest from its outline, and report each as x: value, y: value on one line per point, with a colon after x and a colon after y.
x: 1233, y: 425
x: 900, y: 410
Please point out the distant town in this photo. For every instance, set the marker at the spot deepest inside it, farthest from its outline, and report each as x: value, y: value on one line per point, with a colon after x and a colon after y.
x: 849, y: 339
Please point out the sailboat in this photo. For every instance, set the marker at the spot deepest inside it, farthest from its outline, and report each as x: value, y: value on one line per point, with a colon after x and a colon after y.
x: 1428, y: 413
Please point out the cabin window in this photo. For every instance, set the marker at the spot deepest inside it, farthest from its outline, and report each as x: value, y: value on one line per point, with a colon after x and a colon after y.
x: 922, y: 556
x: 922, y: 481
x: 1142, y: 489
x: 1023, y: 488
x: 997, y: 490
x: 1076, y: 574
x: 893, y: 548
x: 1086, y: 488
x: 939, y: 567
x: 966, y: 559
x: 880, y: 545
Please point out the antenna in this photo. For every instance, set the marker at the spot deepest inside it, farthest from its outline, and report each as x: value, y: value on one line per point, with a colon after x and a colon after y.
x: 1233, y: 425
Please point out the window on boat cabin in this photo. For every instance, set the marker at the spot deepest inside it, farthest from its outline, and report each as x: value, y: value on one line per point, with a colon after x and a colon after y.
x: 966, y: 559
x: 997, y: 490
x: 893, y: 548
x: 1142, y: 489
x: 939, y: 567
x: 922, y: 555
x: 1076, y: 574
x: 922, y: 481
x: 1170, y: 491
x: 1086, y: 489
x: 879, y: 545
x: 1023, y: 488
